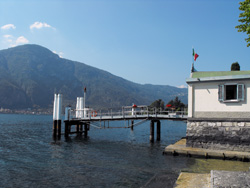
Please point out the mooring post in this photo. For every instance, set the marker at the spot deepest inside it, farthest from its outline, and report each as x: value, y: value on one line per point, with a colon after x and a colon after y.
x: 132, y: 125
x: 158, y: 138
x: 55, y: 116
x: 54, y: 128
x: 57, y: 108
x: 58, y: 114
x: 59, y: 122
x: 151, y: 131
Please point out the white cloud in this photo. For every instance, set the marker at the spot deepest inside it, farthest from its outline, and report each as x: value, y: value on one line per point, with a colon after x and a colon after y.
x: 58, y: 53
x: 40, y: 25
x: 8, y: 26
x: 182, y: 86
x: 21, y: 40
x: 8, y: 38
x: 11, y: 41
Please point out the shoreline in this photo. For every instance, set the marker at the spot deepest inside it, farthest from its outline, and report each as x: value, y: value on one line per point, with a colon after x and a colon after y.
x: 179, y: 148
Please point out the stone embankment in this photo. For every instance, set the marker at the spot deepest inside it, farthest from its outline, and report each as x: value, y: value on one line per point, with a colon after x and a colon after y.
x: 180, y: 148
x: 233, y: 135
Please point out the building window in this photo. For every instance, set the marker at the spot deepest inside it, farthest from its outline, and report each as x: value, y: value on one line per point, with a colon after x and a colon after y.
x: 231, y: 92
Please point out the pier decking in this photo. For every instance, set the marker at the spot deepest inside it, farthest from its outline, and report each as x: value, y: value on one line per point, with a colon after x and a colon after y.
x: 80, y: 120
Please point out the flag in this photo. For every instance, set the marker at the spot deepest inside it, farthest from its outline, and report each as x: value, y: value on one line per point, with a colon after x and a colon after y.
x: 195, y: 55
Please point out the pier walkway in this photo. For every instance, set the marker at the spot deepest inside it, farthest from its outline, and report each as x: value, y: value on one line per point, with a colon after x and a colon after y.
x: 83, y: 118
x: 129, y: 115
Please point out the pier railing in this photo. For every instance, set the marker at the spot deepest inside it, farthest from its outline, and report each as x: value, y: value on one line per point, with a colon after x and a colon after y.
x: 125, y: 113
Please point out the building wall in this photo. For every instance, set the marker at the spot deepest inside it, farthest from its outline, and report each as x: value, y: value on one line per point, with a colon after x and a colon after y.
x: 190, y: 100
x: 203, y: 98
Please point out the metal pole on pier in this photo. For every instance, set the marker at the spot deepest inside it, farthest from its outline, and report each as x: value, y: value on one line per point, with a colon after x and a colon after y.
x: 77, y: 106
x: 84, y: 104
x: 67, y: 113
x: 81, y: 107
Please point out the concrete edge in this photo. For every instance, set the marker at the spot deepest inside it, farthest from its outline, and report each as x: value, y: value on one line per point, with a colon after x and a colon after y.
x: 176, y: 149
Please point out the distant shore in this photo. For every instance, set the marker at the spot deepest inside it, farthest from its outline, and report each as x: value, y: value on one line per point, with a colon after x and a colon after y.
x: 26, y: 111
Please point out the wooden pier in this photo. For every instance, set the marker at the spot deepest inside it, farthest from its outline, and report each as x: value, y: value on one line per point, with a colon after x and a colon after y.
x: 82, y: 118
x: 100, y: 120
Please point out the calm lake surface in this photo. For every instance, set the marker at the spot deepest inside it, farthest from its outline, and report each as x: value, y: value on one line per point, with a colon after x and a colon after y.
x: 29, y: 157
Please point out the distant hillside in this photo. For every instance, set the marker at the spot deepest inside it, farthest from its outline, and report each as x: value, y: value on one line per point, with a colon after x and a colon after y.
x: 31, y: 74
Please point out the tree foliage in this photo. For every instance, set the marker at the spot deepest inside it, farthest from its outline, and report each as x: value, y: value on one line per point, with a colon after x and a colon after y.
x: 158, y: 104
x: 245, y: 19
x: 176, y: 103
x: 235, y: 66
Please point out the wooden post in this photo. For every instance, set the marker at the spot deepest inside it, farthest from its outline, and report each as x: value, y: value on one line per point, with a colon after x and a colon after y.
x: 151, y: 138
x: 85, y: 129
x: 132, y: 125
x: 81, y: 129
x: 158, y: 130
x: 77, y: 128
x: 66, y: 129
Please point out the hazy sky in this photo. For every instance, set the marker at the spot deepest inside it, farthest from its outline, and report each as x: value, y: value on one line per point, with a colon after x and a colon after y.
x: 144, y: 41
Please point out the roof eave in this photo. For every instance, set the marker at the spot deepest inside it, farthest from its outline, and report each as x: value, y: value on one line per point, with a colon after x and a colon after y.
x: 218, y: 78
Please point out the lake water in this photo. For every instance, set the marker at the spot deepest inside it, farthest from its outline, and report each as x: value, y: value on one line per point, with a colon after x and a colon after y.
x: 29, y: 157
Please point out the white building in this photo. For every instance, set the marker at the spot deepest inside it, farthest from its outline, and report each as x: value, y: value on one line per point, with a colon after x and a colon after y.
x: 219, y: 110
x: 219, y: 94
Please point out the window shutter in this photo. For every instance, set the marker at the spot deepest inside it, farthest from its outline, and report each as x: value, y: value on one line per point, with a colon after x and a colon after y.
x: 221, y: 92
x: 240, y: 93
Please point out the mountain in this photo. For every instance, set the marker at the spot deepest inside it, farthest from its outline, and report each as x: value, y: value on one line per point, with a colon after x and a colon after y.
x: 31, y: 74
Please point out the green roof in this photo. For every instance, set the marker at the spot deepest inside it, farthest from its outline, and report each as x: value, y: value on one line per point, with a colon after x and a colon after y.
x: 218, y: 73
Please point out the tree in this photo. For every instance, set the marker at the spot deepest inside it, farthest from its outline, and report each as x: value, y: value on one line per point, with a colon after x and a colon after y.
x: 235, y: 66
x: 245, y: 19
x: 176, y: 103
x: 158, y: 104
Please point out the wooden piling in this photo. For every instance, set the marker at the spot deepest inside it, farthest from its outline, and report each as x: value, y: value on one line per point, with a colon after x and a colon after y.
x: 132, y: 125
x: 158, y: 138
x: 85, y: 129
x: 66, y: 129
x: 81, y: 129
x: 151, y: 138
x: 77, y: 128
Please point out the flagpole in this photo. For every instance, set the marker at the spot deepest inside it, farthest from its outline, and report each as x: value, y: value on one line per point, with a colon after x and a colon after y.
x: 192, y: 70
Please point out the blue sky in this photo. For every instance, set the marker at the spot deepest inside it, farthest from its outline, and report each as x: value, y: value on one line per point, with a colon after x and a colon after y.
x: 144, y: 41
